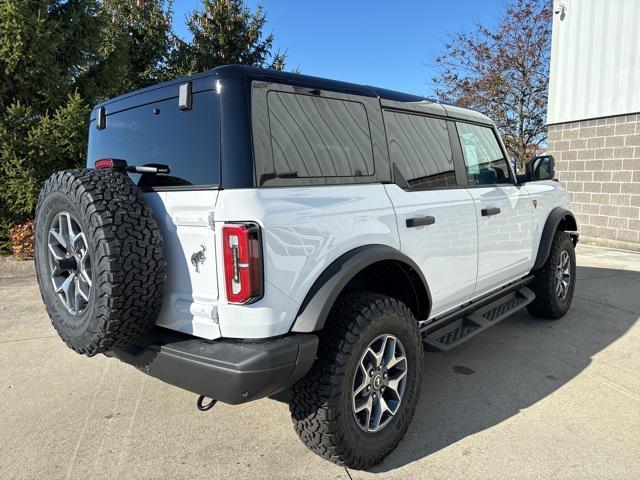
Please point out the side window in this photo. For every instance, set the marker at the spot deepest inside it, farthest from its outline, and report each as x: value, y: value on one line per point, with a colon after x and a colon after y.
x: 419, y: 147
x: 319, y: 137
x: 483, y: 158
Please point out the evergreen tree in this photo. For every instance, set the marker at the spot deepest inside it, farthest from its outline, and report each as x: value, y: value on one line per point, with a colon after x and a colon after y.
x: 58, y: 57
x: 32, y: 146
x: 134, y: 39
x: 29, y: 69
x: 224, y: 32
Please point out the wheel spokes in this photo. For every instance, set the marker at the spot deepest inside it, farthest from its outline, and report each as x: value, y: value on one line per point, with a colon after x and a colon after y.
x: 378, y: 384
x: 67, y: 290
x: 563, y: 275
x: 83, y: 288
x: 366, y: 407
x: 380, y: 408
x: 378, y: 354
x: 70, y: 262
x: 366, y: 380
x: 396, y: 383
x: 59, y: 237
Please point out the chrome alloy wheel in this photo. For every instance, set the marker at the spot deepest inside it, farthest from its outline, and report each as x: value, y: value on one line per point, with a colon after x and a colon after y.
x: 563, y: 275
x: 69, y: 262
x: 379, y: 383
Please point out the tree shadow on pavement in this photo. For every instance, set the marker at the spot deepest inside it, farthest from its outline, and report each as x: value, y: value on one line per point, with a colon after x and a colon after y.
x: 516, y: 364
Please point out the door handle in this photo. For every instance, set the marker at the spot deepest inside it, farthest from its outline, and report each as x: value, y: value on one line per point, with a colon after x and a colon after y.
x: 420, y: 221
x: 487, y: 212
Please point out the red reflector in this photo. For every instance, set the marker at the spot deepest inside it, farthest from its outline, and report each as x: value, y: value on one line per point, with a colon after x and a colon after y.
x: 242, y: 262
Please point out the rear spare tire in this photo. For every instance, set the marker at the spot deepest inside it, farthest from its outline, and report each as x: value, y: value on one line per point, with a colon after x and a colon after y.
x: 98, y: 254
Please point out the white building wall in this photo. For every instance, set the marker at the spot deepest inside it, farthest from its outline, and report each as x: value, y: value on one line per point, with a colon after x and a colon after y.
x: 595, y: 60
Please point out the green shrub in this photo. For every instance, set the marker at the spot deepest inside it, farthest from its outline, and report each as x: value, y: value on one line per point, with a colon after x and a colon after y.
x: 32, y: 147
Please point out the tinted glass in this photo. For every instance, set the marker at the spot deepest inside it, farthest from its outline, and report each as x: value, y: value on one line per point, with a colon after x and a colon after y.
x: 319, y: 137
x: 483, y: 157
x: 185, y: 140
x: 420, y: 149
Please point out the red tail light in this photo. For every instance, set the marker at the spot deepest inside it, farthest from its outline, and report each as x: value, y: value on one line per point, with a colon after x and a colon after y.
x: 242, y: 262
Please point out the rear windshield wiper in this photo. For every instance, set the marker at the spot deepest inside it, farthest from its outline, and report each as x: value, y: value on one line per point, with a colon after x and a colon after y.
x: 149, y: 168
x: 118, y: 164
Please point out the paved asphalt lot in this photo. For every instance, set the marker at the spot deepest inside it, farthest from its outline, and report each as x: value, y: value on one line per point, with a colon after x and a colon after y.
x: 533, y: 400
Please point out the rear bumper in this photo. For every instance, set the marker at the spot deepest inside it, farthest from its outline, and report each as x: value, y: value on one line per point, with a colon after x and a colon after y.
x: 230, y: 371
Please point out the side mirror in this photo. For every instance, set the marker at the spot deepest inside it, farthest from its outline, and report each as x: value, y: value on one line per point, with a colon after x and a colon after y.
x: 541, y: 168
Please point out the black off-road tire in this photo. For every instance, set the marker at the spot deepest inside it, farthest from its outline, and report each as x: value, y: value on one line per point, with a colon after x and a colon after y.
x: 320, y: 402
x: 125, y: 248
x: 547, y: 304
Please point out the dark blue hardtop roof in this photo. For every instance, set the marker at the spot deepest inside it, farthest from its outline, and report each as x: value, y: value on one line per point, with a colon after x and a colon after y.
x: 254, y: 73
x: 244, y: 74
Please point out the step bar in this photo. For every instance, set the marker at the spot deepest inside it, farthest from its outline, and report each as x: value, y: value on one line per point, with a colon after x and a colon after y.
x: 473, y: 318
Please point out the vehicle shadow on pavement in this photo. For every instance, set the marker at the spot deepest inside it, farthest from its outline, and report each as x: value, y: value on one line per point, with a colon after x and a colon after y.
x: 516, y: 364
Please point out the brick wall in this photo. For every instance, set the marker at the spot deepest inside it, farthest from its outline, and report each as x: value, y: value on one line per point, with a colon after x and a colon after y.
x: 598, y: 161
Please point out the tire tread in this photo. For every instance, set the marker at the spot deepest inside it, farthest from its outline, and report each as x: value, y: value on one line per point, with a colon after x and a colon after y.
x: 127, y: 261
x: 315, y: 399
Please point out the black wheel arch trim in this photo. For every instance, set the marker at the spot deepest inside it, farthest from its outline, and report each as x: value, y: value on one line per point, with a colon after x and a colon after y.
x: 318, y: 302
x: 557, y: 216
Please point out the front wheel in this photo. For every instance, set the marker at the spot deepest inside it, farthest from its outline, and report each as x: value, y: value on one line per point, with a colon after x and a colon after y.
x: 555, y: 282
x: 356, y: 402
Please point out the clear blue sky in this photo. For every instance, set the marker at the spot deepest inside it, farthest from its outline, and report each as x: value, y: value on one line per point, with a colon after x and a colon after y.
x: 389, y: 44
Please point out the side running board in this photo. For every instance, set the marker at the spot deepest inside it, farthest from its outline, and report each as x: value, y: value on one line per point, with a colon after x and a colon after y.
x: 456, y: 332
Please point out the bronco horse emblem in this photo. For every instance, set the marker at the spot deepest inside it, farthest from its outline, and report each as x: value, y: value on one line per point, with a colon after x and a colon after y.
x: 198, y: 258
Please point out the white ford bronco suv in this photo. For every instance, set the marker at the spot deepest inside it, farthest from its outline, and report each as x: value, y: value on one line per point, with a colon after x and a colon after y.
x: 242, y: 232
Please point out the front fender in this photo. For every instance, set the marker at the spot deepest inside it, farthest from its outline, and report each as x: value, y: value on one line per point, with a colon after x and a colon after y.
x: 557, y: 217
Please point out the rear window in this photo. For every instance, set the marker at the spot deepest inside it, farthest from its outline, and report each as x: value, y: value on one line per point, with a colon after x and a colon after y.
x: 319, y: 137
x: 188, y: 141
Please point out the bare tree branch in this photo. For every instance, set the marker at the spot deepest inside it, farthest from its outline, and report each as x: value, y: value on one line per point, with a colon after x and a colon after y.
x: 503, y: 72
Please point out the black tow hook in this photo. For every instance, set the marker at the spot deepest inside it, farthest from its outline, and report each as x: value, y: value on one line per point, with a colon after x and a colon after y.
x: 204, y: 407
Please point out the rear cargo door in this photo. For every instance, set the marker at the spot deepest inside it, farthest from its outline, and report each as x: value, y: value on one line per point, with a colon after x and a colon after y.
x: 191, y: 286
x: 161, y: 131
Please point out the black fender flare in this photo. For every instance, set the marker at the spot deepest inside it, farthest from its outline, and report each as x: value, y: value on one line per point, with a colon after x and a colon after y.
x: 317, y: 304
x: 557, y: 216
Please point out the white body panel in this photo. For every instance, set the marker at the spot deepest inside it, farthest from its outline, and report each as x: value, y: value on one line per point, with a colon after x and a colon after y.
x: 504, y: 240
x: 190, y: 298
x: 547, y: 196
x: 447, y: 251
x: 304, y: 229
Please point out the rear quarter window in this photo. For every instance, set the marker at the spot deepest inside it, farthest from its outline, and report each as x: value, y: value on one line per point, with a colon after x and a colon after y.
x: 319, y: 137
x: 188, y: 141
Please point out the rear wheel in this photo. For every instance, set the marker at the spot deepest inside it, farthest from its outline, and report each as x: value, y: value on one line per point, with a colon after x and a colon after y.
x: 555, y: 283
x: 356, y: 402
